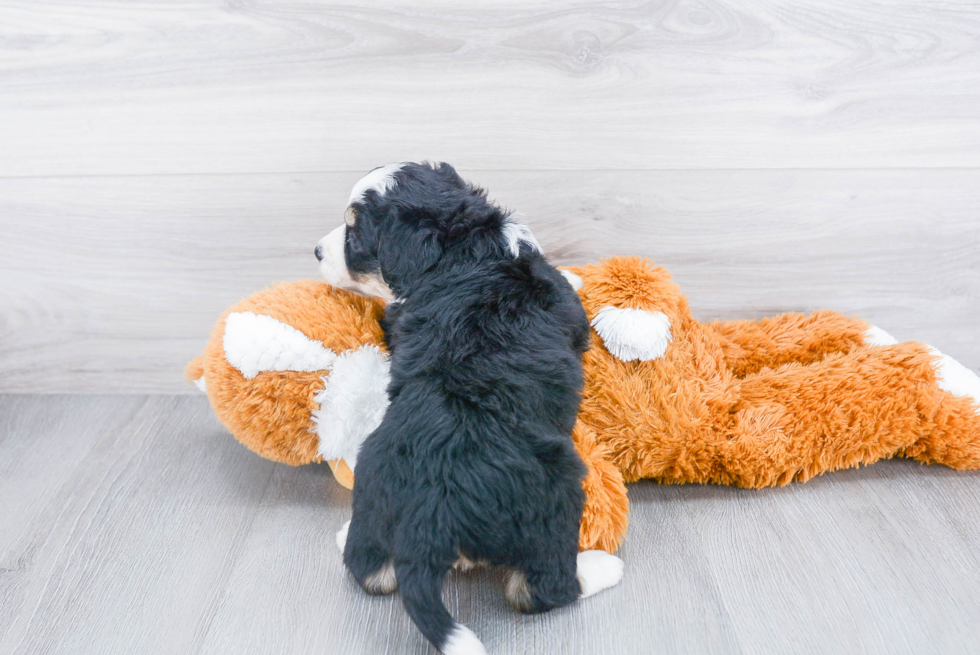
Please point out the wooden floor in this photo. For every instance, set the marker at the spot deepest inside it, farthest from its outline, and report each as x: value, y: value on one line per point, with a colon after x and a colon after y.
x: 136, y: 524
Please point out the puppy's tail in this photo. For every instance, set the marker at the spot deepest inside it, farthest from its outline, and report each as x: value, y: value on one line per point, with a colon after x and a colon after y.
x: 420, y: 586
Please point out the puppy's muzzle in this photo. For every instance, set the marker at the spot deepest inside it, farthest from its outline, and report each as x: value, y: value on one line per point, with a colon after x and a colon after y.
x: 318, y: 251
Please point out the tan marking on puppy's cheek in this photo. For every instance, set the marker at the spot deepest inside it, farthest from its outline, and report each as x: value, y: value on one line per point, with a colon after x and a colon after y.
x: 350, y: 217
x: 372, y: 284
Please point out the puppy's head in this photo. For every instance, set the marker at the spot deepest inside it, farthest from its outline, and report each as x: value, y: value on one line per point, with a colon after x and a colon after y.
x: 404, y: 219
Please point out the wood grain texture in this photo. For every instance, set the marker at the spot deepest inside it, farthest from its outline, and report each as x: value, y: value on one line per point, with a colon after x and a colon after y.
x: 149, y: 87
x: 113, y: 284
x: 136, y: 524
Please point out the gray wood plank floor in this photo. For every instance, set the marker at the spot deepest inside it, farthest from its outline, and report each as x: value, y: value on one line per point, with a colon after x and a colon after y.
x: 136, y: 524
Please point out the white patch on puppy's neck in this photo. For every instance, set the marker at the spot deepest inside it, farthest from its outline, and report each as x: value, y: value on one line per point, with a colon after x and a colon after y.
x: 516, y: 233
x: 381, y: 179
x: 352, y: 403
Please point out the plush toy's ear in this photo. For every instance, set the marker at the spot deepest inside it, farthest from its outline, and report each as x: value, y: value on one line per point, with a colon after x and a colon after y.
x: 632, y: 304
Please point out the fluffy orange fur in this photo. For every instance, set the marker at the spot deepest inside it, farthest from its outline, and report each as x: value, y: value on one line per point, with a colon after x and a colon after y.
x: 746, y: 403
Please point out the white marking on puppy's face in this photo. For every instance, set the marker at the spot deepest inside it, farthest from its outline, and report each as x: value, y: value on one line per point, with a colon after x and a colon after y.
x: 381, y: 179
x: 333, y: 268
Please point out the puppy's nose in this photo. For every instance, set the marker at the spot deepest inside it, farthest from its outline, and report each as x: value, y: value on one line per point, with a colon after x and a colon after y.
x: 318, y: 251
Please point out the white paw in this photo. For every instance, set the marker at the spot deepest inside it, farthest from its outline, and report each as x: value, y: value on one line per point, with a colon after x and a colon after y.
x: 462, y: 641
x: 633, y: 334
x: 956, y: 378
x: 875, y: 336
x: 342, y: 537
x: 573, y: 279
x: 598, y: 570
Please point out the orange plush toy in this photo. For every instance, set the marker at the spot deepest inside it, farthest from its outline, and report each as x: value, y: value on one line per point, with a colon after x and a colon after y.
x: 298, y: 374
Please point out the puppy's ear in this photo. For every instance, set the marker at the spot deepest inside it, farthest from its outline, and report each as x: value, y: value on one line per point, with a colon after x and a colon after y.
x: 409, y: 256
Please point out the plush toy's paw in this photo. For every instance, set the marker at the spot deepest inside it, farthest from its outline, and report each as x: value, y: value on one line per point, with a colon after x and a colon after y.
x: 352, y: 402
x: 598, y: 570
x: 342, y: 537
x: 633, y: 334
x: 956, y: 379
x: 875, y: 336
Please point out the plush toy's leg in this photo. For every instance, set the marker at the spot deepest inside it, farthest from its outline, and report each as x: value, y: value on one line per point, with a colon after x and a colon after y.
x: 750, y: 346
x: 606, y: 512
x: 797, y: 421
x: 956, y: 442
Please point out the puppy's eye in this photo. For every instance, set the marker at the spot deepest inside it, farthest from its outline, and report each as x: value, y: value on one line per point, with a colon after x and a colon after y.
x: 350, y: 217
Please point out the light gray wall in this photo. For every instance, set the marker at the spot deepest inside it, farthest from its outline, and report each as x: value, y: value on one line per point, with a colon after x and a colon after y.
x: 160, y: 161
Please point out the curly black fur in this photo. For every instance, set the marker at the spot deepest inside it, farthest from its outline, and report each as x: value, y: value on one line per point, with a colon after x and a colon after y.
x: 474, y: 456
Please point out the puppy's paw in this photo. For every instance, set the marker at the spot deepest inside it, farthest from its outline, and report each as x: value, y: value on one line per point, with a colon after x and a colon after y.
x: 342, y: 537
x: 382, y: 581
x: 598, y: 570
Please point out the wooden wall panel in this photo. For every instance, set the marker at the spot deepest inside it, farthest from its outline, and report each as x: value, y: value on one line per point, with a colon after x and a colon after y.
x: 151, y: 87
x: 113, y: 283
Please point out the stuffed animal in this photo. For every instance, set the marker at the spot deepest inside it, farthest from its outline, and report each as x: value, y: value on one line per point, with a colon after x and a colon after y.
x: 298, y: 374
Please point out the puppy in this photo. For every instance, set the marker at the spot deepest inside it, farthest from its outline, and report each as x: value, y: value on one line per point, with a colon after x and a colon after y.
x: 473, y: 460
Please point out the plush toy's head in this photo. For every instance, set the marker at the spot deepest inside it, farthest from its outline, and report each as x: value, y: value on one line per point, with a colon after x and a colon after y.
x: 298, y: 373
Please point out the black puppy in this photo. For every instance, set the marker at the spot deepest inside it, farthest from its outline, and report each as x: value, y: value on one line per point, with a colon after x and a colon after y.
x: 473, y: 460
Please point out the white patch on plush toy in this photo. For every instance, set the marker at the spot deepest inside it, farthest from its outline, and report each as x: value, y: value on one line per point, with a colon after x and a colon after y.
x: 875, y: 336
x: 597, y: 570
x: 462, y: 641
x: 516, y: 233
x: 381, y: 179
x: 633, y: 334
x: 956, y: 379
x: 255, y: 342
x: 573, y: 279
x: 352, y: 403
